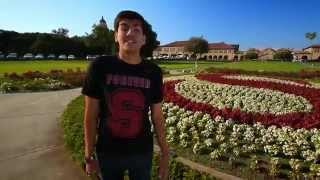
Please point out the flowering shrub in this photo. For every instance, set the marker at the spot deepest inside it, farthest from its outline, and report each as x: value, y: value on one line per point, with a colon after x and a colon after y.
x: 39, y: 81
x: 36, y: 84
x: 243, y: 98
x: 304, y: 110
x: 230, y: 117
x: 7, y: 87
x: 200, y: 132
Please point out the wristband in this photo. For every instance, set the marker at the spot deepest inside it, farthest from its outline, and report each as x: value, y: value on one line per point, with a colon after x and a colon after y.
x: 89, y: 159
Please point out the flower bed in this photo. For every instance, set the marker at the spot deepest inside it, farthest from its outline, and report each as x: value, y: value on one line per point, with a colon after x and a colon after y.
x: 257, y: 119
x: 302, y: 119
x: 40, y: 81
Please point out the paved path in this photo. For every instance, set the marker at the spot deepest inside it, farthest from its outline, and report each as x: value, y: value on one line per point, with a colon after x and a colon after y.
x: 31, y: 144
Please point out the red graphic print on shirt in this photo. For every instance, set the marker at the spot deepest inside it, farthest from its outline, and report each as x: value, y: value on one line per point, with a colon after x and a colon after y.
x: 126, y: 108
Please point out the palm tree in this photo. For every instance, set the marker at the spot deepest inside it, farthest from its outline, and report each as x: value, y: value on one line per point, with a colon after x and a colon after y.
x: 311, y: 35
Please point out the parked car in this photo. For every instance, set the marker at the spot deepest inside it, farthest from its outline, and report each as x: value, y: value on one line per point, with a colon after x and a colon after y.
x: 12, y: 56
x: 166, y: 57
x: 51, y: 56
x: 180, y: 56
x: 28, y: 56
x: 91, y: 57
x: 1, y: 55
x: 39, y: 56
x: 62, y: 56
x: 71, y: 56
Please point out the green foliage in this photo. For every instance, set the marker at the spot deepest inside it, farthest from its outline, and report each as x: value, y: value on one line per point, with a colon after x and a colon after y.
x: 197, y: 45
x: 311, y: 35
x: 72, y: 124
x: 45, y: 43
x: 38, y: 81
x: 35, y: 85
x: 7, y: 87
x: 42, y: 66
x: 251, y: 55
x: 100, y: 41
x: 151, y: 43
x: 284, y: 55
x: 61, y: 32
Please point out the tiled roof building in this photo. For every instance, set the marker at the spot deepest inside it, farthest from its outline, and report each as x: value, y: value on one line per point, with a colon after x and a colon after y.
x: 216, y: 51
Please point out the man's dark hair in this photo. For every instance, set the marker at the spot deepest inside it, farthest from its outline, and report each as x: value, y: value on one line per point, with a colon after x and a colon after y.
x: 146, y: 28
x: 127, y: 14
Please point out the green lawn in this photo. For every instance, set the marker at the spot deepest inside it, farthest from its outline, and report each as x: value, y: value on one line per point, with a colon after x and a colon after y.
x: 43, y: 66
x: 273, y: 66
x: 47, y: 65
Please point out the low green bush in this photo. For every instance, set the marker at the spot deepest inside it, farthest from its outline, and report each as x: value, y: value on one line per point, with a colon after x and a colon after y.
x: 72, y: 124
x: 39, y: 81
x: 7, y: 87
x: 35, y: 85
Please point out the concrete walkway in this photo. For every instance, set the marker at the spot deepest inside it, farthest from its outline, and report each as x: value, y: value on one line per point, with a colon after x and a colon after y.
x: 31, y: 144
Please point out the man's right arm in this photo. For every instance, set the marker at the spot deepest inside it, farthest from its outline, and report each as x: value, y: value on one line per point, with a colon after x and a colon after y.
x: 91, y: 112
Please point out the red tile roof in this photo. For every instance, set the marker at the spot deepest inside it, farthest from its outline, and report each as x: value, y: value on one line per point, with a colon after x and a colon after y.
x: 267, y: 49
x: 301, y: 52
x: 284, y: 49
x: 313, y: 46
x: 176, y: 44
x: 220, y: 45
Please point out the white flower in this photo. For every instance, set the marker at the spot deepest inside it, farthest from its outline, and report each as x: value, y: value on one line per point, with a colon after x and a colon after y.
x: 215, y: 154
x: 245, y: 98
x: 220, y: 138
x: 209, y: 142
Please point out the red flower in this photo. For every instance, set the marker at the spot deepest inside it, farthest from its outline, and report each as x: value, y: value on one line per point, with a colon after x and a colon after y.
x: 296, y: 120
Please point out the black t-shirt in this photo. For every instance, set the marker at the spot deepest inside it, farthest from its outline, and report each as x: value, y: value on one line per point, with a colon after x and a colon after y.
x: 126, y: 92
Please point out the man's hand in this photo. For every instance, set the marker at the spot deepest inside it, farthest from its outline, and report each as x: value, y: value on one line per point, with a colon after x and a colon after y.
x: 92, y: 167
x: 164, y: 166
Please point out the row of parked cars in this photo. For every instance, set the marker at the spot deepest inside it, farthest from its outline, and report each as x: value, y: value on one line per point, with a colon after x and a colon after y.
x: 29, y: 56
x: 167, y: 57
x: 36, y: 56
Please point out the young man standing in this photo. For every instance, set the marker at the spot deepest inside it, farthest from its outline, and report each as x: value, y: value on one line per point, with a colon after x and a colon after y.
x: 119, y: 91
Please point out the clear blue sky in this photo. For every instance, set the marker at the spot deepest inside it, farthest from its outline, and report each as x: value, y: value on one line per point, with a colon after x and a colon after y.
x: 250, y: 23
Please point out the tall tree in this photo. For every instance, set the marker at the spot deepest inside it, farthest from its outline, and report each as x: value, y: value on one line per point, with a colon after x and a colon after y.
x: 251, y: 54
x: 283, y: 55
x: 197, y: 46
x: 100, y: 40
x: 61, y: 31
x: 311, y: 35
x: 152, y: 42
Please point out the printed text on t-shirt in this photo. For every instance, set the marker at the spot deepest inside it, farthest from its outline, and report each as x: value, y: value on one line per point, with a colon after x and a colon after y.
x: 125, y: 80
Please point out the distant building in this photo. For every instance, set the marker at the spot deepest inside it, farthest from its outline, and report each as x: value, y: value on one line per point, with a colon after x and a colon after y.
x: 266, y: 54
x: 224, y: 51
x: 103, y: 23
x: 301, y: 55
x: 309, y: 53
x: 216, y: 51
x: 314, y: 50
x: 172, y: 49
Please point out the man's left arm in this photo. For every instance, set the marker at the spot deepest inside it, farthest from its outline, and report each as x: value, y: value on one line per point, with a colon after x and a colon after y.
x: 159, y: 127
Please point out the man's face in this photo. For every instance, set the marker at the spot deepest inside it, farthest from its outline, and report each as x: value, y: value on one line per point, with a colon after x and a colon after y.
x: 130, y: 35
